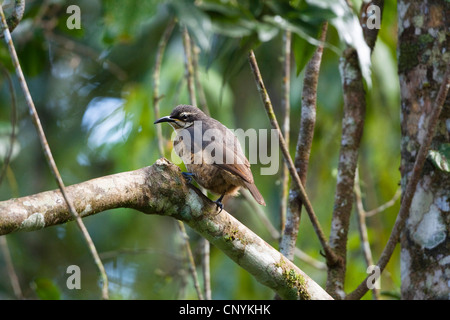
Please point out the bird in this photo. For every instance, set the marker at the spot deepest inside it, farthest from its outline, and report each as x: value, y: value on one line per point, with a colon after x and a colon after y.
x: 211, y: 153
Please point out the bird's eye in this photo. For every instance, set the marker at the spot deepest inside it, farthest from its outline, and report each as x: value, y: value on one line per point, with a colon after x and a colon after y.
x: 184, y: 117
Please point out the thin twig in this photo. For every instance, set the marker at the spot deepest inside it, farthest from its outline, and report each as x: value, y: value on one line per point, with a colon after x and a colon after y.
x: 189, y: 69
x: 275, y: 234
x: 410, y: 189
x: 180, y: 294
x: 362, y: 227
x: 285, y: 128
x: 206, y: 268
x: 198, y: 85
x: 262, y: 217
x: 12, y: 137
x: 156, y: 80
x: 319, y: 265
x: 329, y: 254
x: 10, y: 267
x: 386, y: 205
x: 48, y: 154
x: 190, y: 258
x: 13, y: 278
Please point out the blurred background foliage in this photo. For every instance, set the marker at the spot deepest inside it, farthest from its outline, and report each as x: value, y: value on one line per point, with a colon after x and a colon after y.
x: 93, y: 91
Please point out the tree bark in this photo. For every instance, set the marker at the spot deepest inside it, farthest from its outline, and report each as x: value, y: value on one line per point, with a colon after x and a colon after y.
x: 352, y: 131
x: 422, y: 60
x: 161, y: 189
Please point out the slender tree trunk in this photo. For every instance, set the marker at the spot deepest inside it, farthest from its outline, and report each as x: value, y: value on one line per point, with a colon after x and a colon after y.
x: 423, y: 55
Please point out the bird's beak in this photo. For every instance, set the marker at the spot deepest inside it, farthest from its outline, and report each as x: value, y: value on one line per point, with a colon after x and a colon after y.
x: 164, y: 119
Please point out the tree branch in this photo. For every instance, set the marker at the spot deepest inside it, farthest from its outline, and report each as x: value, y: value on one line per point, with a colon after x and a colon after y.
x: 384, y: 206
x: 362, y: 228
x: 275, y: 234
x: 370, y: 34
x: 190, y: 259
x: 352, y: 129
x: 285, y: 129
x: 161, y: 189
x: 303, y: 149
x: 12, y: 275
x: 16, y: 15
x: 12, y: 137
x: 189, y: 69
x: 202, y: 104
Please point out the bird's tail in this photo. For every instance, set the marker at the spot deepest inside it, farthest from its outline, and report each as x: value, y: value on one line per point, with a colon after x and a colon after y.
x: 255, y: 193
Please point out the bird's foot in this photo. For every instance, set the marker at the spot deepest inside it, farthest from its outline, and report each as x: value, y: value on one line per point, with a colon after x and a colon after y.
x: 188, y: 176
x: 219, y: 203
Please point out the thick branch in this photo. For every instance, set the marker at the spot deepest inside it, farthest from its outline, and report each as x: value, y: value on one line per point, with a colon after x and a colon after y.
x: 304, y: 143
x: 370, y: 34
x: 352, y: 130
x: 161, y: 189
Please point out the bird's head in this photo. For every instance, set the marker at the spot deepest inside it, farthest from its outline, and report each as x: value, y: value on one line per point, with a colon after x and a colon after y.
x: 183, y: 116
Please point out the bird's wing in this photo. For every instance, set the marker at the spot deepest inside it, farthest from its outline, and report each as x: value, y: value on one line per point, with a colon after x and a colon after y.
x: 238, y: 170
x: 219, y: 147
x: 233, y: 158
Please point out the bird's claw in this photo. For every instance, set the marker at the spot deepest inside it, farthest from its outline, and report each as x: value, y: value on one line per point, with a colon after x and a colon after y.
x: 188, y: 176
x: 219, y: 205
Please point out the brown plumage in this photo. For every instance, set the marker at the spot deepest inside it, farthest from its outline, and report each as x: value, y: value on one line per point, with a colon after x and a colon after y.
x: 211, y: 152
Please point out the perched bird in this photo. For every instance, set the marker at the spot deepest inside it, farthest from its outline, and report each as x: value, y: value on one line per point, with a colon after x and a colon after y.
x: 211, y: 152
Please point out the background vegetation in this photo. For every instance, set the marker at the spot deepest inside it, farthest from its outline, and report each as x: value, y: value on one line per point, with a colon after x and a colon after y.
x: 93, y: 91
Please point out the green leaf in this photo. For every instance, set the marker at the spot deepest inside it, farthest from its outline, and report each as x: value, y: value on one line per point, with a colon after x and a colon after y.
x: 349, y: 30
x: 33, y: 56
x: 298, y: 29
x: 266, y: 32
x: 441, y: 157
x: 238, y: 58
x: 122, y: 21
x: 237, y: 28
x: 302, y: 51
x: 197, y: 22
x: 219, y: 7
